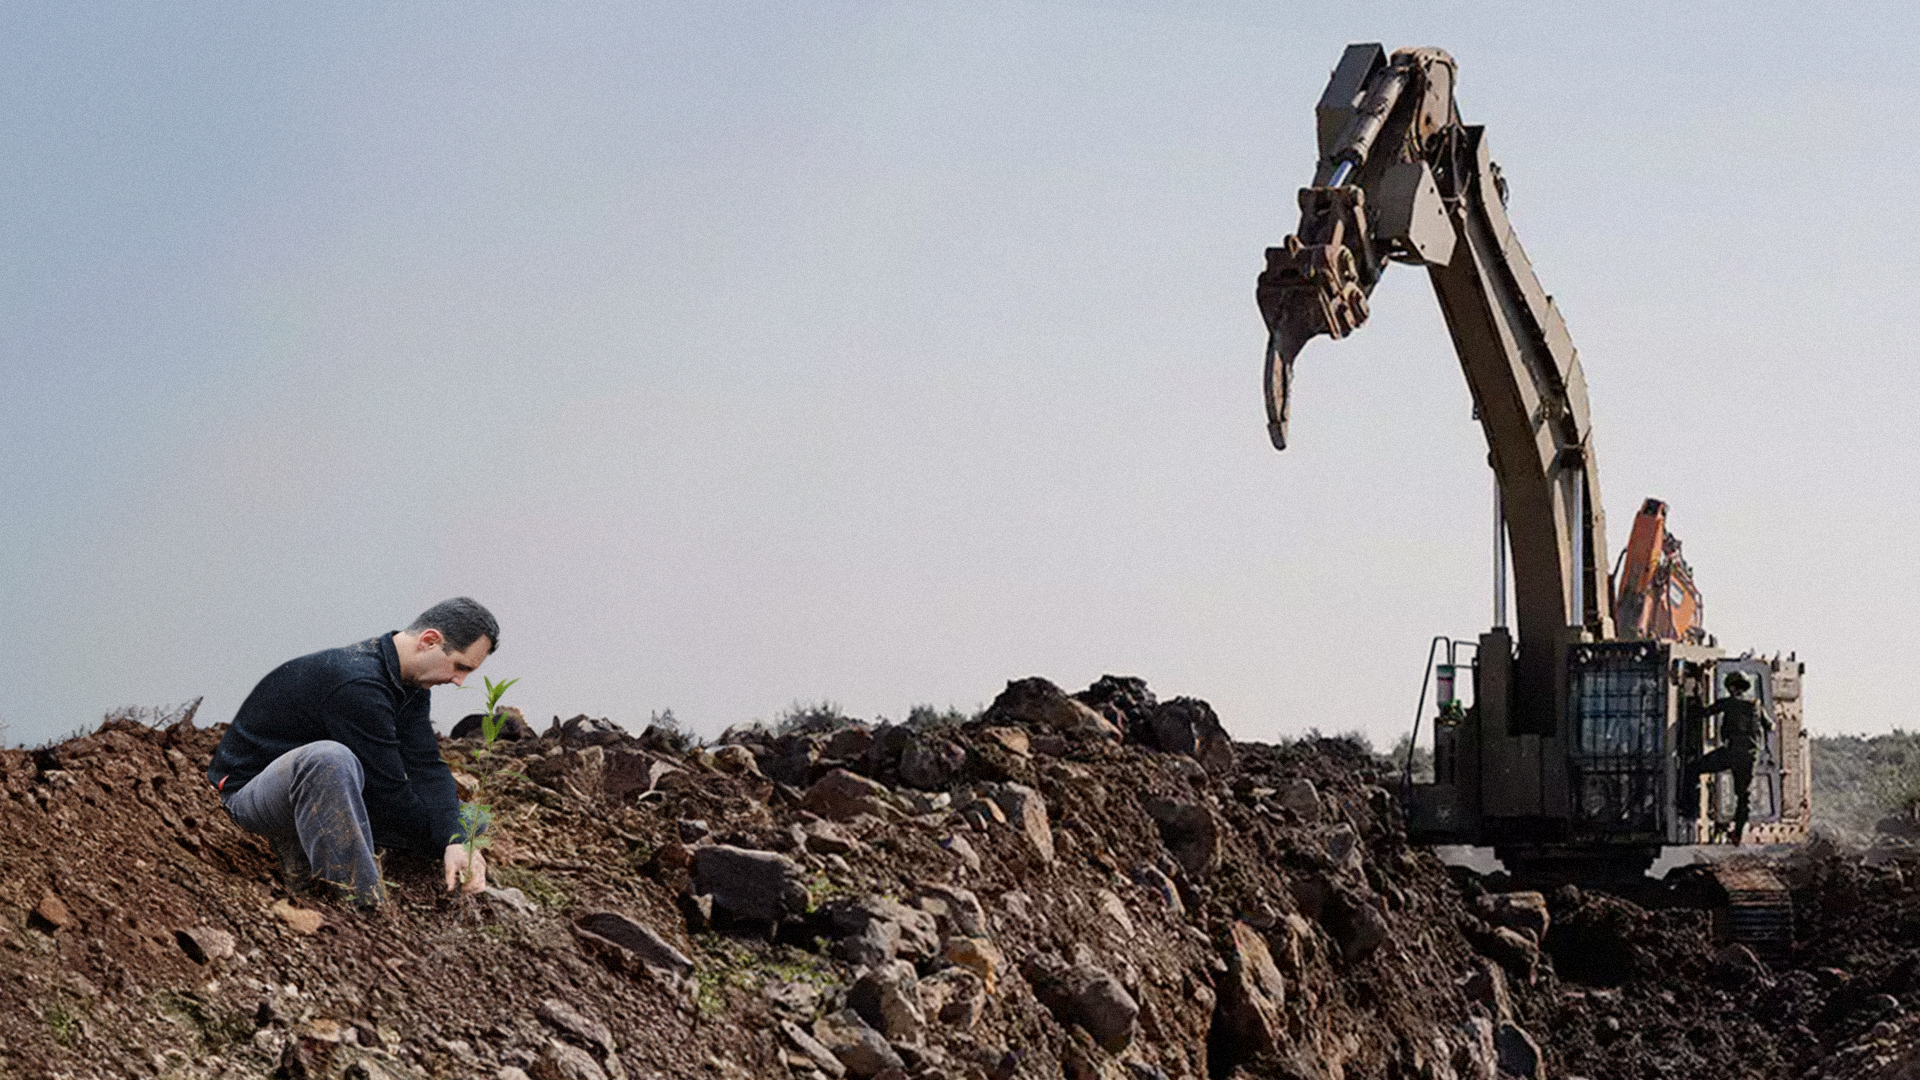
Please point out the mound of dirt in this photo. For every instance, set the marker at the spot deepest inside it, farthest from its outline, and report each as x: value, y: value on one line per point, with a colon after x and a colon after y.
x: 1090, y: 886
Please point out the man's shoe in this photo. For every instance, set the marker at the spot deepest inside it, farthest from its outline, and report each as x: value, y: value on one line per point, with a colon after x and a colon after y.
x: 295, y: 872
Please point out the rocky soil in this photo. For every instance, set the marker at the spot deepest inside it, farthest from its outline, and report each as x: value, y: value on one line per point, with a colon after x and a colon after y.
x: 1099, y: 885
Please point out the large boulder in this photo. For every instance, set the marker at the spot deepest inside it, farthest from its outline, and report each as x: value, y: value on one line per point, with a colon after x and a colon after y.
x: 863, y: 1051
x: 1522, y: 911
x: 1189, y: 831
x: 842, y: 796
x: 1252, y: 997
x: 1035, y: 702
x: 929, y: 763
x: 873, y: 930
x: 887, y: 997
x: 1124, y: 701
x: 1087, y: 996
x: 1027, y: 811
x: 1188, y: 726
x: 584, y: 730
x: 752, y: 886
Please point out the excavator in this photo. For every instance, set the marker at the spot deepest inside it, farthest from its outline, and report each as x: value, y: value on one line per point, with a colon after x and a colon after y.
x: 1572, y: 761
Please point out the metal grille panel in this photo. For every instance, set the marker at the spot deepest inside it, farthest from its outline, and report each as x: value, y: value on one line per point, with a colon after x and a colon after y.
x: 1618, y: 697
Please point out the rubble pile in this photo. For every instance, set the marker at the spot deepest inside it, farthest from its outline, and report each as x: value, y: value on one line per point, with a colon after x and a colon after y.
x: 1095, y: 886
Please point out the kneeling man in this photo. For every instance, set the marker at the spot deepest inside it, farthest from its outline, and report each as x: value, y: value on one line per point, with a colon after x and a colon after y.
x: 333, y: 754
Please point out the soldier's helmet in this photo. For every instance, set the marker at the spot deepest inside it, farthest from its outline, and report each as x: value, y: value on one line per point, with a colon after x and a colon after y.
x: 1737, y: 682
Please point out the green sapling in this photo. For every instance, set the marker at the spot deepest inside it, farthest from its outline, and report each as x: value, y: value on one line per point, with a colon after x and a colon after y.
x: 475, y: 816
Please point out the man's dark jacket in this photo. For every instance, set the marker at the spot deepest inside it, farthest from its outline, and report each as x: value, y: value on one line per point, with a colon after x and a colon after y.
x: 353, y: 696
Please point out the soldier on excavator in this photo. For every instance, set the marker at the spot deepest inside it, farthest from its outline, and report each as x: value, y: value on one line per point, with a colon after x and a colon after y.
x: 1743, y: 724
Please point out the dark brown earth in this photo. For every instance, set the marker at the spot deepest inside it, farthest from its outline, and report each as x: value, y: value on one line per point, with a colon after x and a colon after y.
x: 1154, y: 900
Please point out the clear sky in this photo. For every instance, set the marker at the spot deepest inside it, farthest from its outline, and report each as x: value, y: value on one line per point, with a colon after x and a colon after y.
x: 745, y: 353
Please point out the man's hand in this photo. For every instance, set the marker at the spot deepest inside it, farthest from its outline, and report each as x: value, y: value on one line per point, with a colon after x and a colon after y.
x: 473, y: 868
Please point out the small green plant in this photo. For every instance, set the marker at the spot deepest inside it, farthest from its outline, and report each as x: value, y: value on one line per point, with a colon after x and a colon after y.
x: 475, y: 816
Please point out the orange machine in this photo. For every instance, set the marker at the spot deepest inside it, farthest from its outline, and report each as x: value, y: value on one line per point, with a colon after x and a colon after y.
x: 1654, y: 597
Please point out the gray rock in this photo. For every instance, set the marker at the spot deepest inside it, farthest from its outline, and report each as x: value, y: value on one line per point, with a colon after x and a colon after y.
x: 583, y: 731
x: 1150, y: 878
x: 1356, y: 923
x: 1027, y: 811
x: 1299, y: 796
x: 569, y: 1021
x: 959, y: 847
x: 1522, y: 911
x: 1088, y: 996
x: 892, y: 926
x: 1037, y: 702
x: 1189, y: 726
x: 560, y: 1061
x: 633, y: 947
x: 1252, y: 997
x: 1190, y: 833
x: 887, y: 997
x: 755, y: 886
x: 956, y: 911
x: 1517, y: 1053
x: 955, y: 996
x: 817, y: 1054
x: 930, y: 763
x: 861, y: 1049
x: 842, y: 796
x: 204, y: 944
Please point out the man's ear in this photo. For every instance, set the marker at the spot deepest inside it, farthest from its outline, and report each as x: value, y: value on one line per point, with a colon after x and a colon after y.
x: 429, y: 638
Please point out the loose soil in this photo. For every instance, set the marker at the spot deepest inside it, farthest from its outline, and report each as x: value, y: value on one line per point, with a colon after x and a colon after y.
x: 1236, y: 909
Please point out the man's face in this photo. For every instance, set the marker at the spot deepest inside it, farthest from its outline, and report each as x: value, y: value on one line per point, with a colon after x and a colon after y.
x: 433, y: 665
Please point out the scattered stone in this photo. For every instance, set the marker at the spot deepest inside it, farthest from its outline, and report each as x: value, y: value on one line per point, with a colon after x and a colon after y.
x: 53, y: 913
x: 736, y: 760
x: 873, y: 930
x: 204, y: 944
x: 861, y: 1049
x: 299, y: 920
x: 1086, y: 995
x: 1026, y: 809
x: 930, y: 764
x: 753, y: 886
x: 1151, y: 878
x: 583, y: 731
x: 1114, y: 909
x: 512, y: 899
x: 466, y: 786
x: 842, y: 796
x: 959, y: 847
x: 955, y: 996
x: 826, y: 838
x: 1517, y: 1053
x: 887, y: 997
x: 1011, y: 739
x: 571, y: 1023
x: 981, y: 813
x: 1188, y: 726
x: 1522, y: 911
x: 561, y: 1061
x: 1735, y: 966
x: 693, y: 830
x: 626, y: 773
x: 633, y: 947
x: 977, y: 955
x: 1487, y: 984
x: 514, y: 726
x: 957, y: 910
x: 1299, y: 796
x: 1252, y: 997
x: 1357, y: 924
x: 817, y: 1055
x: 1189, y: 832
x: 1039, y: 703
x: 1342, y: 846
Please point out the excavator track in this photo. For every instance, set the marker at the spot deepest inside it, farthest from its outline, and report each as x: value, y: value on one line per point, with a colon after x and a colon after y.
x: 1758, y: 912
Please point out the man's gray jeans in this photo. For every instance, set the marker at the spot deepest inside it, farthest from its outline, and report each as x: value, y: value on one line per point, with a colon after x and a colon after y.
x: 308, y: 803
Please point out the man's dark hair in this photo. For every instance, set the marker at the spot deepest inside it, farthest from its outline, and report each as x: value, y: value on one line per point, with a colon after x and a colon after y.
x: 461, y: 621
